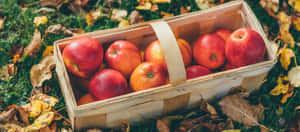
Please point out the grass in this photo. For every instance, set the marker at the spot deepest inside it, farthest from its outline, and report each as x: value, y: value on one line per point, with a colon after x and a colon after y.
x: 19, y: 28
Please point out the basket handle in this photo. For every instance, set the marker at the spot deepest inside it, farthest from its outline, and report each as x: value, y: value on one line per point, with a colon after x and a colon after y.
x: 171, y: 52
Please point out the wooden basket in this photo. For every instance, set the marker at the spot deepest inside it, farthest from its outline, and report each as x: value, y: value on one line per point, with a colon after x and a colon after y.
x: 180, y: 93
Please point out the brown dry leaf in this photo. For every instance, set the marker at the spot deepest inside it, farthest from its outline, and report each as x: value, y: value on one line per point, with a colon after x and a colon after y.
x: 205, y: 4
x: 7, y: 72
x: 294, y: 76
x: 125, y: 126
x: 161, y: 1
x: 161, y: 126
x: 281, y: 87
x: 58, y: 28
x: 5, y: 116
x: 238, y: 109
x: 35, y: 44
x: 285, y: 57
x: 10, y: 127
x: 118, y: 15
x: 21, y: 114
x: 44, y: 10
x: 73, y: 32
x: 42, y: 71
x: 185, y: 10
x: 48, y: 51
x: 55, y: 3
x: 286, y: 97
x: 40, y: 20
x: 135, y: 17
x: 2, y: 21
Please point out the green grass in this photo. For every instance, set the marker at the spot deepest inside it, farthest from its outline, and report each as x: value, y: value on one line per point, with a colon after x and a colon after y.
x: 19, y: 28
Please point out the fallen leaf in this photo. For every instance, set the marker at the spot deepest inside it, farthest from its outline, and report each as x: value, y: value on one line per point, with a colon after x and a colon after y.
x: 285, y: 97
x: 296, y: 22
x: 185, y: 10
x: 232, y: 130
x: 154, y: 8
x: 42, y: 121
x: 58, y: 28
x: 205, y: 4
x: 48, y: 51
x: 211, y: 109
x: 93, y: 15
x: 272, y: 5
x: 123, y: 23
x: 297, y: 108
x: 40, y: 20
x: 135, y: 17
x: 287, y: 38
x: 161, y: 1
x: 5, y: 116
x: 125, y: 126
x: 165, y: 14
x: 74, y: 32
x: 285, y: 57
x: 145, y: 6
x: 7, y: 72
x: 118, y: 15
x: 295, y: 4
x: 45, y: 10
x: 281, y: 87
x: 54, y: 3
x: 238, y: 109
x: 10, y: 127
x: 42, y: 71
x: 161, y: 126
x: 35, y: 44
x: 21, y: 114
x: 294, y: 76
x: 285, y: 22
x: 2, y: 21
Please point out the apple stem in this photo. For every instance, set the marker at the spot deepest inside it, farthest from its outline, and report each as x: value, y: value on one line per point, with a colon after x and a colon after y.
x: 149, y: 74
x: 115, y: 51
x: 240, y: 36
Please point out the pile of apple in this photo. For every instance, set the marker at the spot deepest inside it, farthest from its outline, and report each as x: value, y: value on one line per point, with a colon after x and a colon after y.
x: 220, y: 50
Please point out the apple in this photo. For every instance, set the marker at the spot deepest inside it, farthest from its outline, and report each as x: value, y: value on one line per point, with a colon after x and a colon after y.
x: 196, y: 71
x: 228, y: 66
x: 245, y: 46
x: 148, y: 75
x: 209, y: 51
x: 83, y: 56
x: 108, y: 83
x: 85, y: 99
x: 123, y: 56
x: 154, y: 53
x: 223, y: 33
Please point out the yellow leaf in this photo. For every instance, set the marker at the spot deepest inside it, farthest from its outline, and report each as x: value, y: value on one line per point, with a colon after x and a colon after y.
x: 285, y: 97
x: 232, y: 130
x: 92, y: 16
x: 161, y: 1
x: 295, y: 4
x: 42, y: 121
x: 2, y: 20
x: 165, y: 14
x: 287, y: 38
x: 296, y: 22
x: 40, y: 20
x: 123, y: 23
x: 48, y: 51
x: 280, y: 88
x: 146, y: 6
x: 285, y: 57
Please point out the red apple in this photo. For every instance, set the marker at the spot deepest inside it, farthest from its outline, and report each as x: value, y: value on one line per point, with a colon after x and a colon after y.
x: 123, y: 56
x: 83, y: 56
x: 148, y: 75
x: 108, y: 83
x: 154, y: 53
x: 85, y: 99
x: 244, y: 47
x: 229, y: 66
x: 209, y: 51
x: 196, y: 71
x: 223, y: 33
